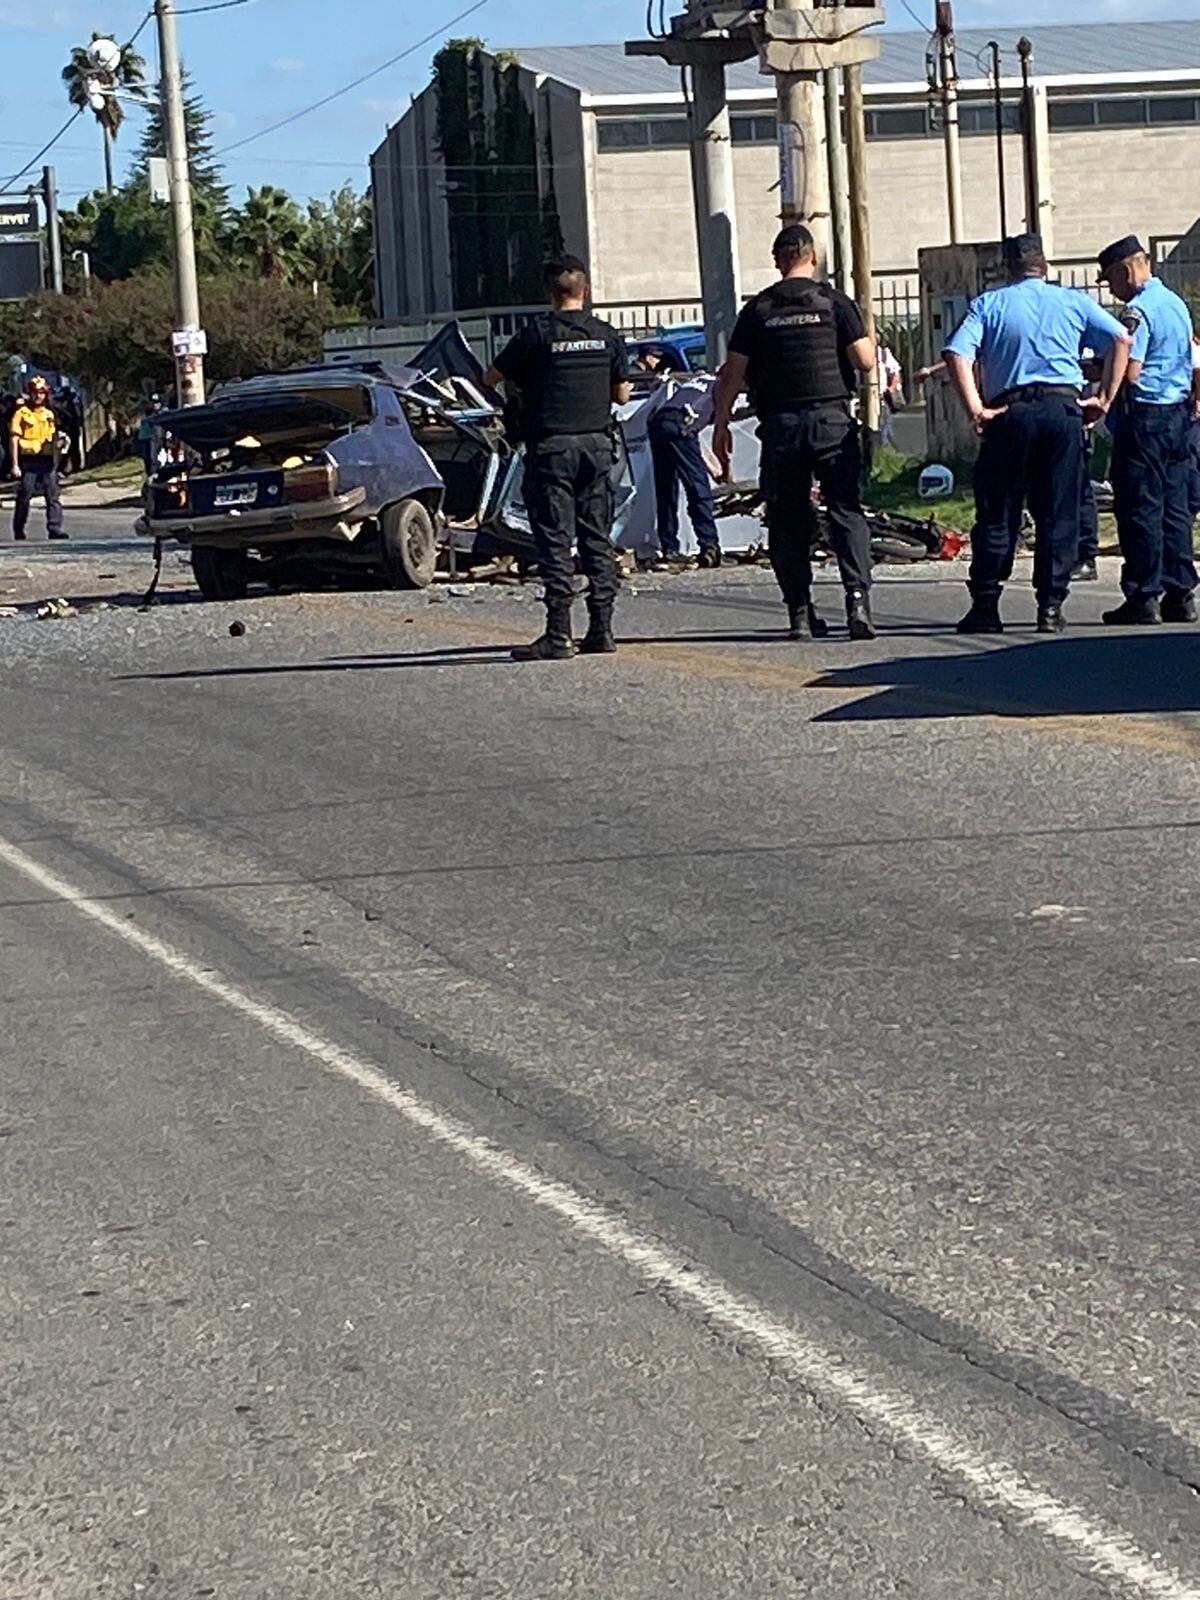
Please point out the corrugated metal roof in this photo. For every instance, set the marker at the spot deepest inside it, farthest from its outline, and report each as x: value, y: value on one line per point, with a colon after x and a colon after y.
x: 1095, y: 50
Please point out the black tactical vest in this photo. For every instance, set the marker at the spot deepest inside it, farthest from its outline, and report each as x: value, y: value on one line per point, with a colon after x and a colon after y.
x: 798, y: 356
x: 570, y: 387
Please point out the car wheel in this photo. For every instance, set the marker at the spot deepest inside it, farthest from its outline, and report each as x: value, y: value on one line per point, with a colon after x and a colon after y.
x: 220, y: 574
x: 409, y: 545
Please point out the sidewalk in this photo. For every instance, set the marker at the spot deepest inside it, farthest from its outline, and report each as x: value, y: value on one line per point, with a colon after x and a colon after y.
x: 86, y: 496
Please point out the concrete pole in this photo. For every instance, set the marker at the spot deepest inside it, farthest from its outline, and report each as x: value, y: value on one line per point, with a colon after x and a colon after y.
x: 803, y: 173
x: 860, y: 229
x: 716, y: 213
x: 948, y: 74
x: 189, y: 368
x: 841, y: 255
x: 53, y: 233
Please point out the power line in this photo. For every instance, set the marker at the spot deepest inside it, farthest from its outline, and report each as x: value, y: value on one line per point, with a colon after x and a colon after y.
x: 217, y: 5
x: 45, y: 150
x: 358, y: 82
x: 922, y: 25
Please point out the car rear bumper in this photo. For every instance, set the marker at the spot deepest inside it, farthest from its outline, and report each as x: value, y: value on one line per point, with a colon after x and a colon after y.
x: 318, y: 519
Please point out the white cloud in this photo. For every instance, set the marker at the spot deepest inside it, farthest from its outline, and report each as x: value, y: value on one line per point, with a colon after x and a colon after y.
x: 287, y: 66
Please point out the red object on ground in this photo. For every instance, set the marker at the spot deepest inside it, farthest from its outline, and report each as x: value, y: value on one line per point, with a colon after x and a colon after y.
x: 953, y: 544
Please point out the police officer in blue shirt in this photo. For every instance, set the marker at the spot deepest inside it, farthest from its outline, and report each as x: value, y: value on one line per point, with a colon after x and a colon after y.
x: 1027, y: 339
x: 1151, y: 461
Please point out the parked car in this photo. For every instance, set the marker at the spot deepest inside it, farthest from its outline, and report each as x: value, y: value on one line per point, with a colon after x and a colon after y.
x: 687, y: 348
x: 330, y: 471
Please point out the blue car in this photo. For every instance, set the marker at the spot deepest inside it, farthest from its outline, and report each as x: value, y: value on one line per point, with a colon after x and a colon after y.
x: 687, y: 348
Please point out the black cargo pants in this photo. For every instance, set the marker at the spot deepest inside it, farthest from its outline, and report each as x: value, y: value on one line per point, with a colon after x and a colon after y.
x: 818, y: 441
x: 568, y: 495
x: 1031, y: 454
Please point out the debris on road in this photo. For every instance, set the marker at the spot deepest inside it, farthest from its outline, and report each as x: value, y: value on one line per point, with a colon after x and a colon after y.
x: 55, y: 609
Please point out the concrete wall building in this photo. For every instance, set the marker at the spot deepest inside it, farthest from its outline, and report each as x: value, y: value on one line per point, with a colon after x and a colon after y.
x: 608, y: 168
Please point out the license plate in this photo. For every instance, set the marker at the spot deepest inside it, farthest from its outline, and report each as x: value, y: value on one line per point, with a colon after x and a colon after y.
x: 236, y: 494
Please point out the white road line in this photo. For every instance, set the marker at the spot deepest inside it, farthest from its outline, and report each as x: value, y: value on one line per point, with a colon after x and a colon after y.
x: 1105, y: 1550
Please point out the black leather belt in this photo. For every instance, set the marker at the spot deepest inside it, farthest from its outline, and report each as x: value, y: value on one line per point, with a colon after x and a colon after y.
x: 1034, y: 391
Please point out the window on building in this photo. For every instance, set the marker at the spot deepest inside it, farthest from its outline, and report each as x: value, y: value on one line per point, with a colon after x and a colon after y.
x: 668, y: 131
x: 1173, y: 108
x: 753, y: 130
x: 623, y: 135
x: 1158, y: 110
x: 979, y: 116
x: 898, y: 122
x: 1072, y: 113
x: 1120, y: 113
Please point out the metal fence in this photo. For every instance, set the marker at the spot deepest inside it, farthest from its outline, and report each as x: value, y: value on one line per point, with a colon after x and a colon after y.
x: 896, y: 298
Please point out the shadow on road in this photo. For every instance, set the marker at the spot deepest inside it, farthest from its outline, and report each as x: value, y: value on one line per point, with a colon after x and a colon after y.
x: 1150, y: 670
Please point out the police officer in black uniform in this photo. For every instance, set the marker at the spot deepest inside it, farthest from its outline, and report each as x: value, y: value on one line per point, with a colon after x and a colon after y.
x: 799, y: 348
x: 568, y: 367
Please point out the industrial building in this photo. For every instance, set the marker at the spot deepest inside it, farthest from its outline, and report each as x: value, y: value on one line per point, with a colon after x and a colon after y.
x: 585, y: 148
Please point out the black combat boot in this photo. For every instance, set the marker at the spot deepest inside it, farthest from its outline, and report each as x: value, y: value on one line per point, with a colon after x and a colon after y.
x: 983, y: 617
x: 805, y: 623
x: 1176, y: 606
x: 858, y: 614
x: 1134, y: 613
x: 556, y: 644
x: 598, y: 640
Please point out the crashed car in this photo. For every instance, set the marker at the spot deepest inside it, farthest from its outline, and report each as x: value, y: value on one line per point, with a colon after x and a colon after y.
x: 357, y: 472
x: 328, y: 472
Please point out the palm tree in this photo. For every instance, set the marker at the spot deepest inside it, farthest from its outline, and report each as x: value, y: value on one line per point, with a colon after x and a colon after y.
x: 130, y: 75
x: 269, y: 232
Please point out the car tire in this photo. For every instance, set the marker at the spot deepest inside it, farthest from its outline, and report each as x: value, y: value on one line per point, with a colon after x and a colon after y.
x: 410, y: 548
x: 220, y: 574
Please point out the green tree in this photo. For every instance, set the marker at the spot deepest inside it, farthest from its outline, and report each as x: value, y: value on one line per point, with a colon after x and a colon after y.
x: 339, y: 245
x: 130, y: 76
x: 203, y: 165
x: 267, y: 234
x: 119, y: 341
x: 128, y: 231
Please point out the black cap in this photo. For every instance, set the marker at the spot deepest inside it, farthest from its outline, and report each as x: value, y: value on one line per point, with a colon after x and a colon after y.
x: 1130, y: 245
x: 560, y: 264
x: 794, y: 238
x: 1023, y: 248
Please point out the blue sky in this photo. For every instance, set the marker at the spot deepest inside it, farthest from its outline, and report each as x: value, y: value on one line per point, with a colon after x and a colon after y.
x: 268, y: 58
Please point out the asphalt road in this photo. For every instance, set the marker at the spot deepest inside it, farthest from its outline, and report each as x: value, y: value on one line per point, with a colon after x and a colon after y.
x: 716, y: 1121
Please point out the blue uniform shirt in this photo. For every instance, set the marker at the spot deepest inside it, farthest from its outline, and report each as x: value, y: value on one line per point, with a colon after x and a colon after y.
x: 1162, y: 342
x: 1029, y: 332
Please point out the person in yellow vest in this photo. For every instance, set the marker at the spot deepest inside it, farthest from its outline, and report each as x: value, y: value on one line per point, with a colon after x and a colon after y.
x: 33, y: 450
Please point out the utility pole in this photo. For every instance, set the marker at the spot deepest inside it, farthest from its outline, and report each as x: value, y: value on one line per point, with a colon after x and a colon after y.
x: 948, y: 85
x: 841, y: 255
x: 803, y: 174
x: 999, y: 106
x: 189, y: 343
x: 716, y: 214
x: 53, y: 233
x: 860, y: 230
x: 1028, y: 152
x: 1035, y: 132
